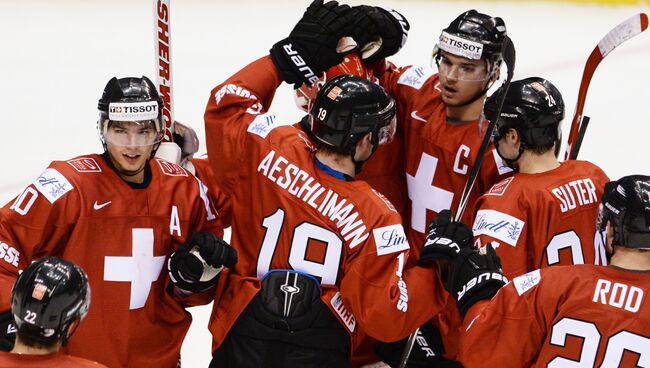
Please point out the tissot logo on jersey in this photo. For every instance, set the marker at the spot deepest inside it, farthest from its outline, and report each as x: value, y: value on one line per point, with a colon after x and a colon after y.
x: 498, y: 225
x: 390, y: 239
x: 460, y: 46
x: 300, y: 184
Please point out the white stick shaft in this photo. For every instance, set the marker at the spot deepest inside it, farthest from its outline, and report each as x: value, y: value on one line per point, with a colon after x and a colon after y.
x: 163, y: 61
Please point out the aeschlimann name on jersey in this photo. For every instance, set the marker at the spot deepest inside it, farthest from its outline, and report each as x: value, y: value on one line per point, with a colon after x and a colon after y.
x: 300, y: 184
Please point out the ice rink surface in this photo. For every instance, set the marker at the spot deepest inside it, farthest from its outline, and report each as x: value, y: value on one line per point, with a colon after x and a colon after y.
x: 56, y: 57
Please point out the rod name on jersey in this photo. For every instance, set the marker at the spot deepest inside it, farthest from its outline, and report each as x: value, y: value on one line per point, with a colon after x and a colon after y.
x: 52, y: 184
x: 9, y: 254
x: 302, y: 185
x: 618, y: 295
x: 390, y: 239
x: 575, y: 193
x: 498, y: 225
x: 346, y: 317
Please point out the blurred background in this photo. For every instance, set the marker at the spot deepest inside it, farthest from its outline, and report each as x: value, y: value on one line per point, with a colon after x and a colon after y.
x: 56, y: 57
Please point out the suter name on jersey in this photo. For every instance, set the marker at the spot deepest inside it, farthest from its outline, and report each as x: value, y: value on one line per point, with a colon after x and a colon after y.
x: 575, y: 193
x: 300, y: 184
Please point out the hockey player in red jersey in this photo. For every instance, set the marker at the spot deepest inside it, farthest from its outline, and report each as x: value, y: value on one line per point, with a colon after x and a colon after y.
x: 586, y: 315
x: 50, y: 298
x: 439, y: 117
x: 321, y: 255
x: 119, y: 215
x: 542, y: 215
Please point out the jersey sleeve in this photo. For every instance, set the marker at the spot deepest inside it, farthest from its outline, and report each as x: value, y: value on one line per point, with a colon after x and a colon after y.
x: 230, y: 115
x: 35, y: 224
x: 388, y: 300
x: 491, y: 331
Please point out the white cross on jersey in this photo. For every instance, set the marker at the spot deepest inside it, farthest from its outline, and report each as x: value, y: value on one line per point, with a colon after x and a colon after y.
x: 140, y: 270
x: 424, y: 195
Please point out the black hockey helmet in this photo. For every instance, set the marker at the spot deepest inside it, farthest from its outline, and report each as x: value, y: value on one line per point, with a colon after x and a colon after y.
x: 48, y: 297
x: 474, y: 35
x: 534, y: 107
x: 348, y: 107
x: 130, y: 99
x: 626, y: 204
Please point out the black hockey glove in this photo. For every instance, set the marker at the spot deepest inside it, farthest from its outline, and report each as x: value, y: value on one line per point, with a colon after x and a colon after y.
x: 7, y: 331
x: 475, y: 277
x: 311, y: 46
x: 427, y: 350
x: 195, y: 266
x: 379, y: 32
x: 445, y: 238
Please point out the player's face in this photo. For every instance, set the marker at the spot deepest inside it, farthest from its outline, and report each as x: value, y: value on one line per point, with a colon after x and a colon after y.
x: 461, y: 79
x: 129, y: 145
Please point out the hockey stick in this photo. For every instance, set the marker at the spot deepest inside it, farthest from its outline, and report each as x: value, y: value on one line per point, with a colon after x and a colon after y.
x: 509, y: 57
x: 163, y: 57
x: 621, y: 33
x: 581, y: 135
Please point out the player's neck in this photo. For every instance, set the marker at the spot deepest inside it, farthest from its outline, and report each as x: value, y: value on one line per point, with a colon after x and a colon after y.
x: 337, y: 162
x: 631, y: 259
x: 532, y: 163
x: 20, y: 348
x: 465, y: 113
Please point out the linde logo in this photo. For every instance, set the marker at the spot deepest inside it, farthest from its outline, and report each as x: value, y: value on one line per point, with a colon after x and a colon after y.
x: 459, y: 46
x: 390, y: 239
x: 498, y: 225
x: 135, y: 111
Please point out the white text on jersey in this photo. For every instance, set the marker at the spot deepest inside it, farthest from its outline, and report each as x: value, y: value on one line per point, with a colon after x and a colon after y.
x: 583, y: 190
x: 618, y: 295
x: 302, y: 185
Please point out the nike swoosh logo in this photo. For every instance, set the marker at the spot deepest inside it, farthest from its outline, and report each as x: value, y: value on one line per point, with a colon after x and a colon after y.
x: 415, y: 116
x: 98, y: 206
x: 11, y: 328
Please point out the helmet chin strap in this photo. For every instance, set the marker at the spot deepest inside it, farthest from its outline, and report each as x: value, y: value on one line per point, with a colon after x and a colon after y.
x: 511, y: 162
x: 374, y: 140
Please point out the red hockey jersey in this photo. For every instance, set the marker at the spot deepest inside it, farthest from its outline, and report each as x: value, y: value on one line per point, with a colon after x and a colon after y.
x: 83, y: 211
x: 290, y: 214
x: 565, y: 316
x: 11, y: 360
x: 538, y: 220
x: 439, y: 154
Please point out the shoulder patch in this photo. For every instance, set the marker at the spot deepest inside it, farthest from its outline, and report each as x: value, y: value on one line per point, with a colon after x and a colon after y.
x: 415, y: 76
x: 171, y: 169
x: 262, y: 125
x: 85, y: 164
x: 525, y: 282
x: 498, y: 225
x: 501, y: 165
x: 52, y: 184
x: 500, y: 187
x: 390, y: 239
